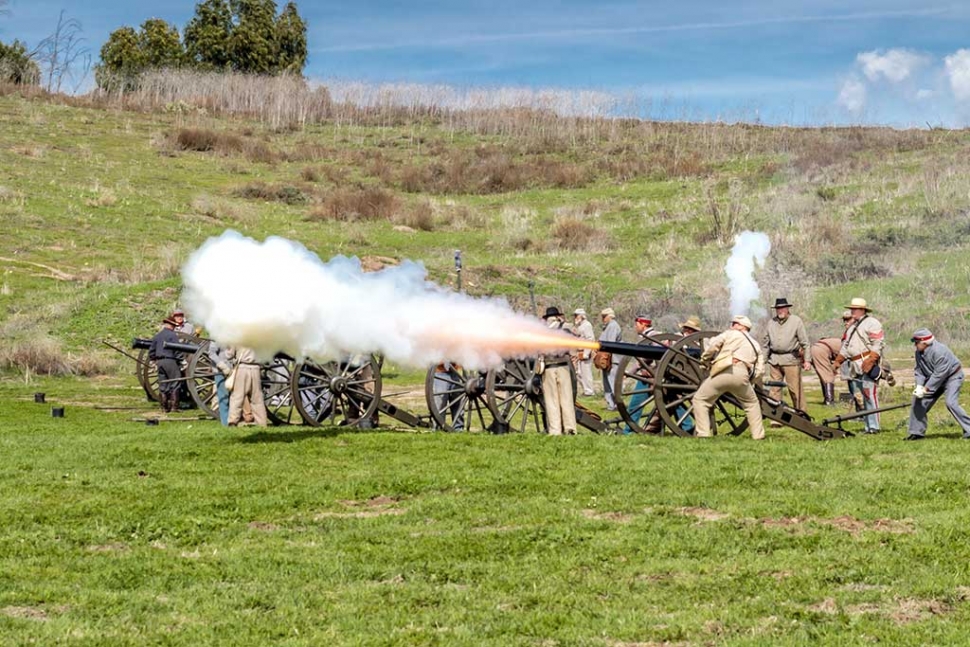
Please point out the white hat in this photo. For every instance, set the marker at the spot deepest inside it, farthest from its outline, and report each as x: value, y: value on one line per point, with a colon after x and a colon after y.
x: 579, y: 311
x: 741, y: 319
x: 608, y: 311
x: 859, y: 303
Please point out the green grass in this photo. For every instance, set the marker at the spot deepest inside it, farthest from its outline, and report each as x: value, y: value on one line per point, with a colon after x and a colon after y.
x: 116, y: 533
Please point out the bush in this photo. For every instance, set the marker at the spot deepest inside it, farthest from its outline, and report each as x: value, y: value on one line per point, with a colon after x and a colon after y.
x: 346, y: 205
x: 204, y: 140
x: 41, y: 355
x: 575, y: 235
x: 271, y: 193
x: 418, y: 215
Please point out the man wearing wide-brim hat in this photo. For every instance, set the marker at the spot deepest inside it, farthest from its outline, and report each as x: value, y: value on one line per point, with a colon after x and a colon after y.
x: 557, y: 386
x: 786, y: 341
x: 611, y: 333
x: 938, y: 372
x: 167, y: 365
x: 824, y: 352
x: 689, y: 327
x: 736, y: 360
x: 863, y: 349
x: 583, y: 328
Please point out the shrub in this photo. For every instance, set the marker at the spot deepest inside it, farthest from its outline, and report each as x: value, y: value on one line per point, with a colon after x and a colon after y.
x: 310, y: 174
x: 41, y: 355
x: 417, y: 215
x: 369, y: 203
x: 575, y: 235
x: 271, y: 193
x: 204, y: 140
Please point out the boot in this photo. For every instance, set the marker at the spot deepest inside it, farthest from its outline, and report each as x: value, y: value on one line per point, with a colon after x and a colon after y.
x: 163, y: 401
x: 828, y: 392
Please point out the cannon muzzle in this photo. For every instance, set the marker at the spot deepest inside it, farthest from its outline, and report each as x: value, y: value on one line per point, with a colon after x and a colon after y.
x: 141, y: 344
x: 643, y: 351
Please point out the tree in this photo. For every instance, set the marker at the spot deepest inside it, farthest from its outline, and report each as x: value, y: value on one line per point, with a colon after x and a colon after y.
x: 121, y: 60
x: 159, y: 44
x: 207, y: 35
x: 291, y: 37
x: 16, y: 65
x: 63, y: 55
x: 252, y: 45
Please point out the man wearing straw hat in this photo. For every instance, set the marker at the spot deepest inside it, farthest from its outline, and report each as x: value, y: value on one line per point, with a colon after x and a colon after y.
x: 787, y: 344
x: 167, y: 365
x: 583, y: 329
x: 938, y: 372
x: 824, y: 352
x: 612, y: 333
x: 689, y: 327
x: 863, y: 348
x: 735, y: 360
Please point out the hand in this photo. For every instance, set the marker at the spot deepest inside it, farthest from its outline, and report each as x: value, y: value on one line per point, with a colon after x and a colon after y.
x: 838, y: 360
x: 806, y: 365
x: 869, y: 362
x: 920, y: 391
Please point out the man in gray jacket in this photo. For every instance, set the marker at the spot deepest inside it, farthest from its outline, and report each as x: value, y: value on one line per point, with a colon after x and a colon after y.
x: 938, y: 372
x: 611, y: 332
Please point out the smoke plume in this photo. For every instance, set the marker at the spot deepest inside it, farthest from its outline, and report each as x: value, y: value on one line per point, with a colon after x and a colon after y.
x: 750, y: 250
x: 278, y: 296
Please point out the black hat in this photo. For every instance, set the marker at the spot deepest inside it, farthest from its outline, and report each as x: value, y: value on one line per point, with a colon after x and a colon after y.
x: 782, y: 303
x: 552, y: 311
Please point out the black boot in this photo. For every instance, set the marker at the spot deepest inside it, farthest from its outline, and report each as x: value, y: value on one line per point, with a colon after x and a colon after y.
x: 828, y: 392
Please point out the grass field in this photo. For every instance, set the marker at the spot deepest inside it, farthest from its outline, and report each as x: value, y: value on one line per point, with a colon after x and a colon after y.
x: 117, y: 533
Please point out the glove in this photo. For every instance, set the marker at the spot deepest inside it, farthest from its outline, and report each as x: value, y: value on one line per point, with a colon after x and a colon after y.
x: 838, y: 360
x: 869, y: 362
x: 920, y: 391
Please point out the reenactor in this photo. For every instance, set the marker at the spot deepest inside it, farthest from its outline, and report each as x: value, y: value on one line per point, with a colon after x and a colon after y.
x: 689, y: 327
x: 938, y: 372
x: 787, y: 344
x: 862, y: 349
x: 583, y: 329
x: 645, y: 330
x: 181, y: 325
x: 167, y: 364
x: 557, y: 387
x: 246, y: 384
x: 823, y: 353
x: 736, y: 361
x: 612, y: 333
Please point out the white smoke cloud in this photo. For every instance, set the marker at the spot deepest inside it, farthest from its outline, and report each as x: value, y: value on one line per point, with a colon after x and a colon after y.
x: 750, y: 250
x: 852, y: 96
x: 895, y: 65
x: 957, y: 66
x: 278, y: 296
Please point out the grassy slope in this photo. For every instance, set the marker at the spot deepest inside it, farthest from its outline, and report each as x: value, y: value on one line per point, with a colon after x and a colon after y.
x: 188, y: 534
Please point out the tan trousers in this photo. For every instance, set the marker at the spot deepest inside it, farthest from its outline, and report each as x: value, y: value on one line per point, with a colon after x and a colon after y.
x: 823, y: 358
x: 557, y: 395
x: 793, y: 378
x: 247, y: 385
x: 734, y: 381
x: 584, y: 375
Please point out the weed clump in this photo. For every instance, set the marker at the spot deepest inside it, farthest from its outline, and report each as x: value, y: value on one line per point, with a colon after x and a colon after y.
x: 347, y: 205
x: 271, y: 193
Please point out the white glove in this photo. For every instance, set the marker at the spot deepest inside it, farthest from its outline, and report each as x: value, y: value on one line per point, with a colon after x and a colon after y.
x: 920, y: 391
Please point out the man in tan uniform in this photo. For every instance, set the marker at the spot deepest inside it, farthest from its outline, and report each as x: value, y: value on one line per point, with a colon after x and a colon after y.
x: 736, y: 360
x: 824, y: 352
x: 557, y: 386
x: 862, y: 349
x: 689, y: 327
x: 583, y: 328
x: 247, y: 384
x: 787, y: 343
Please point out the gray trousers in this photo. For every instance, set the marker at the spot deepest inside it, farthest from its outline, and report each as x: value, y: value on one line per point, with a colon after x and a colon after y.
x: 609, y: 377
x: 951, y: 392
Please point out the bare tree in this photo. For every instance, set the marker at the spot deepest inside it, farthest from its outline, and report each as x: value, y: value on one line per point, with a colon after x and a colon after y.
x: 63, y: 56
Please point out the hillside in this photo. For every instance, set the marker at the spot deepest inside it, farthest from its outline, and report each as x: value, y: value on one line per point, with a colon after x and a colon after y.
x: 100, y: 206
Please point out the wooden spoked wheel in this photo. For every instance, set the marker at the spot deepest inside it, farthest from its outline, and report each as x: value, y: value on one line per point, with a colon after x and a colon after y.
x: 514, y: 395
x: 679, y: 374
x: 456, y: 399
x: 148, y: 372
x: 276, y: 378
x: 337, y: 393
x: 202, y: 383
x: 633, y: 388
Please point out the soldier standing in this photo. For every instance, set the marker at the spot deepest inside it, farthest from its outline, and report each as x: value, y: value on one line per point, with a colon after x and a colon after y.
x: 557, y: 387
x: 787, y: 344
x: 583, y: 329
x: 611, y: 333
x: 863, y: 348
x: 181, y: 325
x: 247, y: 384
x: 645, y: 330
x: 736, y: 360
x: 824, y: 352
x: 167, y: 365
x: 938, y: 372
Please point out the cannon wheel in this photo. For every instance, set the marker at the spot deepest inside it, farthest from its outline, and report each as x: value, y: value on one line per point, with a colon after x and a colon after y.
x: 464, y: 392
x: 336, y: 393
x: 276, y: 378
x: 148, y: 374
x: 633, y: 388
x: 202, y: 383
x: 679, y: 377
x: 514, y: 396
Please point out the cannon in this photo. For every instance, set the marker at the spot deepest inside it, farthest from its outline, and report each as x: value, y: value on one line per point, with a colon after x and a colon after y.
x: 677, y: 372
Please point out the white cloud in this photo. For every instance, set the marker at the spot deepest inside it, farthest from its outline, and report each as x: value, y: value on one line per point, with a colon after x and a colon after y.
x: 852, y: 96
x: 895, y: 65
x: 958, y: 72
x: 923, y: 93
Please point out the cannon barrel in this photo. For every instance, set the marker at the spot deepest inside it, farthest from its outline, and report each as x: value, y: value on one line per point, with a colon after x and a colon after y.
x: 141, y: 344
x: 181, y: 347
x: 642, y: 351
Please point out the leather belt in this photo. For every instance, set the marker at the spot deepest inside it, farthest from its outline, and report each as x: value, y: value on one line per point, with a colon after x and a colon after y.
x: 555, y: 364
x: 860, y: 356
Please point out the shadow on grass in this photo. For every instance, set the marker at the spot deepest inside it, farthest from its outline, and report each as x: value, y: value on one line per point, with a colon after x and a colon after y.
x: 297, y: 435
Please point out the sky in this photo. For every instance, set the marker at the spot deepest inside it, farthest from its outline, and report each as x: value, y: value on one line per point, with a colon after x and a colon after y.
x: 894, y: 62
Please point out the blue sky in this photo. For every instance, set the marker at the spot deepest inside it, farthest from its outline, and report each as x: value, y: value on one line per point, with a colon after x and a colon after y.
x: 869, y: 61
